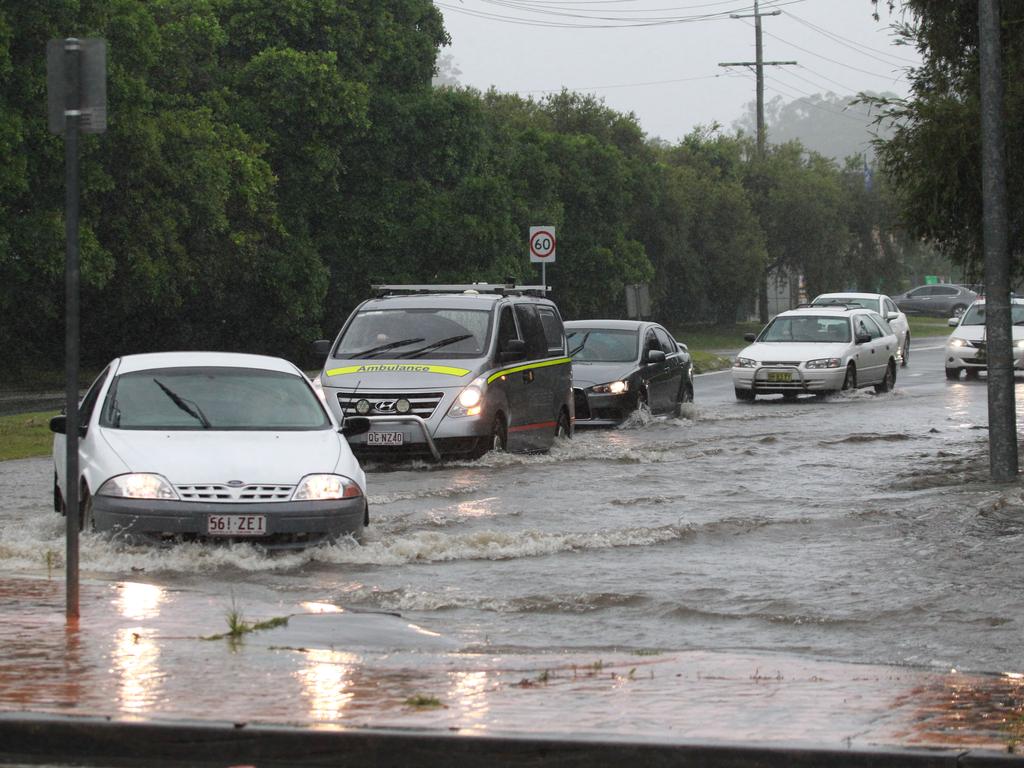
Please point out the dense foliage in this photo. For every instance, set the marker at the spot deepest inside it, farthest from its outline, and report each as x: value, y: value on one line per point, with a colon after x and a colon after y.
x: 266, y: 161
x: 934, y: 156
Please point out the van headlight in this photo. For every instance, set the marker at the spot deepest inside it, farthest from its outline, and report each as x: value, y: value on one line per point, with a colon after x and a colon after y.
x: 326, y: 487
x: 138, y: 485
x: 470, y: 400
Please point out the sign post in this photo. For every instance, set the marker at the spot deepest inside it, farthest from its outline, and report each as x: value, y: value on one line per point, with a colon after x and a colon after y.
x: 76, y: 85
x: 542, y: 249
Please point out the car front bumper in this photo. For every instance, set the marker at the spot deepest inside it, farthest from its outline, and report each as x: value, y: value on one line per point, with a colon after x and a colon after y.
x: 972, y: 358
x: 800, y: 380
x: 602, y: 410
x: 289, y: 524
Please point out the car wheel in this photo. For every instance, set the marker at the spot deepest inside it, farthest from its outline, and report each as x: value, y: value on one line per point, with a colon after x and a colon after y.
x: 953, y: 374
x: 850, y: 382
x: 971, y: 373
x: 562, y: 430
x: 58, y: 497
x: 643, y: 402
x: 86, y: 522
x: 958, y: 310
x: 889, y: 380
x: 905, y: 352
x: 746, y: 395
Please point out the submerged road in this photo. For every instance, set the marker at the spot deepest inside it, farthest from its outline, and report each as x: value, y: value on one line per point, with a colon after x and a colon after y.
x: 809, y: 541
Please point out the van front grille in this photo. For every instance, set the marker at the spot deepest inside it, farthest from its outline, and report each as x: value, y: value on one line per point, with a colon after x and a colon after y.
x: 227, y: 493
x: 383, y: 403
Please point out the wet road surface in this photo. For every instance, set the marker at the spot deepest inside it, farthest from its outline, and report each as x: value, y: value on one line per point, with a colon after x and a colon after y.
x: 806, y: 549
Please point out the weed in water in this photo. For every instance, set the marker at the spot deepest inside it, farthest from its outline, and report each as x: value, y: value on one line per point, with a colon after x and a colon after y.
x: 239, y: 627
x: 419, y: 701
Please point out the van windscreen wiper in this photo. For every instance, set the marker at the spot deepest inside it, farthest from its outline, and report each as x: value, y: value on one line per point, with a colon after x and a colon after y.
x: 384, y: 347
x: 438, y: 344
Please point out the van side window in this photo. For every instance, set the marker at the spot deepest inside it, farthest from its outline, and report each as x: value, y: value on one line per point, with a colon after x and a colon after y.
x: 506, y: 328
x: 553, y: 331
x: 533, y: 331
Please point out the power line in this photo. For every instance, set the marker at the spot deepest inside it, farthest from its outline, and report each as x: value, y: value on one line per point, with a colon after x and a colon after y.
x: 627, y: 85
x: 851, y: 44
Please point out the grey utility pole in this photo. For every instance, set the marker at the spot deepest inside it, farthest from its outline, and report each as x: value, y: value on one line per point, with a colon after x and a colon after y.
x: 759, y: 64
x: 1002, y: 417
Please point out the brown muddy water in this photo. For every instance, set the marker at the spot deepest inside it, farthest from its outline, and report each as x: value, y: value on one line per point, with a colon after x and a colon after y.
x: 791, y: 552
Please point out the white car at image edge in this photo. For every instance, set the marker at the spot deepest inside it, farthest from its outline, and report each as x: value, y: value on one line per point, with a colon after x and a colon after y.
x: 817, y: 350
x: 966, y: 347
x: 207, y: 445
x: 884, y: 306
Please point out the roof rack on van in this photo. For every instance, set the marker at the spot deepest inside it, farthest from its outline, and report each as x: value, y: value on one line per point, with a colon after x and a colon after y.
x: 505, y: 289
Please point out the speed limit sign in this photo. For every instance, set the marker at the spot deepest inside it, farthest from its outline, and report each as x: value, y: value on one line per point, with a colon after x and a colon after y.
x: 542, y: 245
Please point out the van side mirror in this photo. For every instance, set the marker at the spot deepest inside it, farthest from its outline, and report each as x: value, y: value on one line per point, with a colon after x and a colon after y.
x: 655, y: 356
x: 355, y: 425
x: 512, y: 350
x: 322, y: 347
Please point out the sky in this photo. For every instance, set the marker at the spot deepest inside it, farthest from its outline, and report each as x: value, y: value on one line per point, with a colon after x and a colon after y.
x: 659, y: 58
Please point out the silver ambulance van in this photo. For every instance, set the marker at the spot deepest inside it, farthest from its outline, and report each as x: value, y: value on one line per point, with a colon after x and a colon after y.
x: 451, y: 370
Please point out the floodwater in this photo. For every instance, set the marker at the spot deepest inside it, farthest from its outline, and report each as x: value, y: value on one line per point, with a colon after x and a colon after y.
x: 856, y: 538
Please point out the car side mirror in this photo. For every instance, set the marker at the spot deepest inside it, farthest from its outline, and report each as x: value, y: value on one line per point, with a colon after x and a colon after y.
x: 892, y: 315
x: 655, y: 356
x: 751, y: 337
x: 322, y: 347
x: 863, y: 338
x: 59, y: 426
x: 512, y: 350
x: 355, y: 425
x: 954, y: 322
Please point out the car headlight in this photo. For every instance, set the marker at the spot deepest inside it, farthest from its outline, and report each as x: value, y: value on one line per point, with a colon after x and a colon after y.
x: 957, y: 343
x: 745, y: 362
x: 1020, y: 344
x: 138, y: 485
x: 824, y: 362
x: 324, y: 487
x: 470, y: 400
x: 612, y: 388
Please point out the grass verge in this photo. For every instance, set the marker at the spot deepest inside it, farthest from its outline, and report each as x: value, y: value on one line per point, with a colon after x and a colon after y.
x: 928, y: 326
x: 25, y: 435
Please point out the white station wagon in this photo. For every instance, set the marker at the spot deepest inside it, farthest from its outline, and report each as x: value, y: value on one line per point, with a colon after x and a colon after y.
x: 817, y: 350
x: 185, y: 445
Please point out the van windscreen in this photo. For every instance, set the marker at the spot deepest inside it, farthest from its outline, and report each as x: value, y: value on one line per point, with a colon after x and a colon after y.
x: 423, y: 333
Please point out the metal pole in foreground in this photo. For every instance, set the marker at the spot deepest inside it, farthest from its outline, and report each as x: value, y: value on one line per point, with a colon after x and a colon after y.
x: 72, y: 56
x: 1002, y: 417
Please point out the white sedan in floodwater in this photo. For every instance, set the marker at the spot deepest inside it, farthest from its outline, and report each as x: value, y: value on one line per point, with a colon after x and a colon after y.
x: 209, y: 445
x: 883, y: 305
x: 817, y: 350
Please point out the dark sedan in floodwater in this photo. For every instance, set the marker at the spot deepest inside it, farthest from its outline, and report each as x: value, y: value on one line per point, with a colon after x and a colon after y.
x: 619, y: 366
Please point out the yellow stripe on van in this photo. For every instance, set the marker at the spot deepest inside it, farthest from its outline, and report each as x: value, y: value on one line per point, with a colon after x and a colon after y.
x: 397, y: 368
x: 528, y: 366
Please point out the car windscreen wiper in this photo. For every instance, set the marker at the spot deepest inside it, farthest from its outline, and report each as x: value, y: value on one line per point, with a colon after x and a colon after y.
x: 438, y: 344
x: 575, y: 350
x: 384, y: 347
x: 187, y: 406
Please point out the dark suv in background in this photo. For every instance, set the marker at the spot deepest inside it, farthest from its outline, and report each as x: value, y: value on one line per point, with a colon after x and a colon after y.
x: 941, y: 300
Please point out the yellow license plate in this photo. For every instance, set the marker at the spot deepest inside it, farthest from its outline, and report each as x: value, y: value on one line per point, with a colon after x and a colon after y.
x: 780, y: 376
